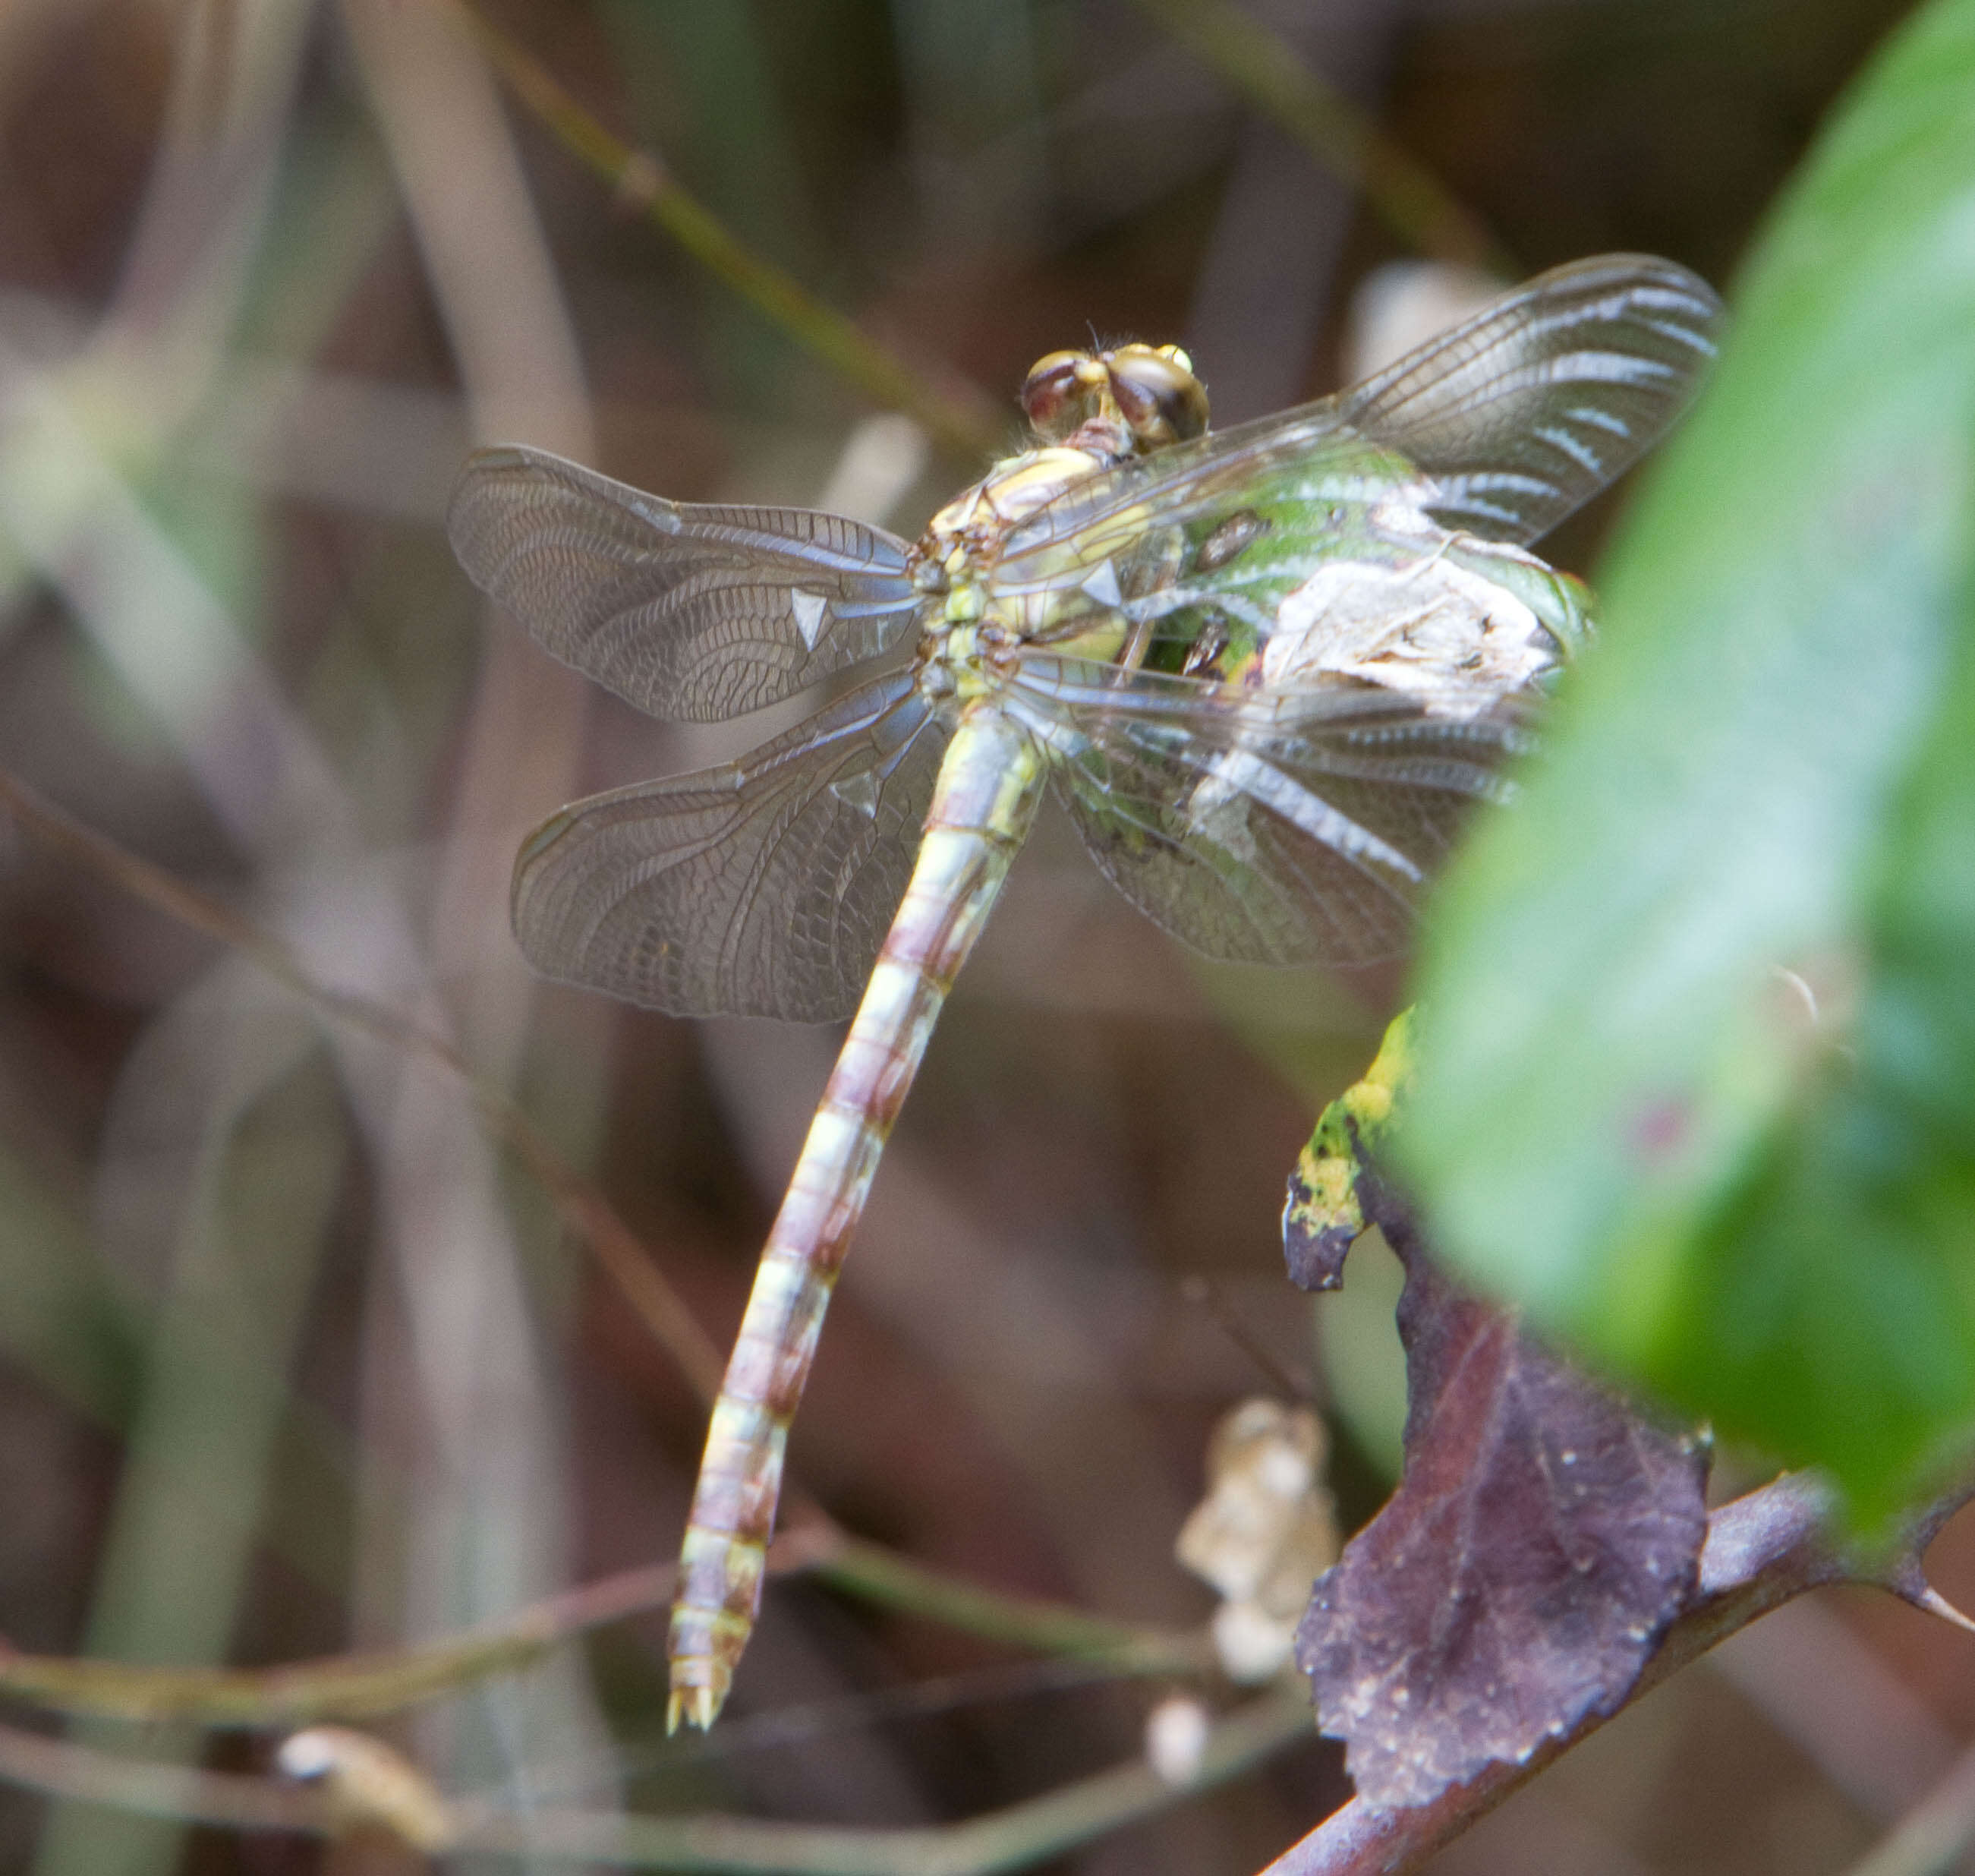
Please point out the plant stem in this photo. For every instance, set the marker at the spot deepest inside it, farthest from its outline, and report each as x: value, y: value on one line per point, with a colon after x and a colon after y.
x: 343, y: 1687
x: 881, y: 1575
x: 1267, y: 69
x: 960, y: 418
x: 1000, y: 1840
x: 61, y: 1768
x: 364, y: 1687
x: 624, y: 1258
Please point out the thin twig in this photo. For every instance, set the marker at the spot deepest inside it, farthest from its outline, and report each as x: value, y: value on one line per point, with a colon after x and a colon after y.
x: 1020, y: 1833
x: 881, y: 1575
x: 617, y: 1247
x: 367, y: 1686
x: 962, y: 420
x: 1000, y: 1840
x: 1211, y: 1297
x: 62, y: 1768
x: 364, y: 1686
x: 342, y: 1686
x: 1274, y: 77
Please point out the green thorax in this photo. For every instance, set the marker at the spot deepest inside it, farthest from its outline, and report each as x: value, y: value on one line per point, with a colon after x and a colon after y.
x: 1310, y: 564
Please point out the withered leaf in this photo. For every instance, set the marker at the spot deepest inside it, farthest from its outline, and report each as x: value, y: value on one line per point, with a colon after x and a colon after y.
x: 1543, y: 1535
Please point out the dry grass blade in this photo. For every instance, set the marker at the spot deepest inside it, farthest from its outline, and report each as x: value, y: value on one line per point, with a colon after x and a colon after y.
x: 1266, y: 69
x: 617, y: 1248
x: 964, y: 423
x: 369, y: 1685
x: 1005, y: 1839
x: 343, y: 1687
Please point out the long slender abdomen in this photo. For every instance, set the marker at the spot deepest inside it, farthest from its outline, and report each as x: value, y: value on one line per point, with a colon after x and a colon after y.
x: 985, y: 800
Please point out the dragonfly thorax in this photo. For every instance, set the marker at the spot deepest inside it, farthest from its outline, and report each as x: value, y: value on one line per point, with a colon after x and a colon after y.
x: 971, y: 526
x: 967, y: 628
x: 1091, y: 411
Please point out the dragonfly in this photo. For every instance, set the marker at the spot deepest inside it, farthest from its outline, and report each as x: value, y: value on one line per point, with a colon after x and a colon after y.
x: 1268, y: 670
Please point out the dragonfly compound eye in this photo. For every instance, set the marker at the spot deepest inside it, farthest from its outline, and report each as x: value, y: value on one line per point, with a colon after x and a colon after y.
x: 1158, y: 394
x: 1060, y: 392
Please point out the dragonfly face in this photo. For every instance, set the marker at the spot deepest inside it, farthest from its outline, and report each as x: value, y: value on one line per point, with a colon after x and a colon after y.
x: 1150, y: 389
x: 1267, y: 669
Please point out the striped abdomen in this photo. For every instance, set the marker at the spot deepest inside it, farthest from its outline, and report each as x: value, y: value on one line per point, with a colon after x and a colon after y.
x: 989, y: 785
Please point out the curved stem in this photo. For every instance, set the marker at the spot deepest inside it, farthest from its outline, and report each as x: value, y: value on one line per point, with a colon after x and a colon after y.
x: 880, y: 1575
x: 367, y: 1686
x: 961, y: 418
x: 1000, y: 1840
x: 624, y: 1258
x: 1275, y: 78
x: 343, y: 1686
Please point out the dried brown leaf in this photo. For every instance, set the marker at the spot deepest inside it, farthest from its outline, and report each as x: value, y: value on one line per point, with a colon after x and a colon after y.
x: 1544, y: 1535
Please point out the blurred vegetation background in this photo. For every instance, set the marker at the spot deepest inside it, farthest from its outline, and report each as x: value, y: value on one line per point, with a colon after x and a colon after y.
x: 294, y: 1358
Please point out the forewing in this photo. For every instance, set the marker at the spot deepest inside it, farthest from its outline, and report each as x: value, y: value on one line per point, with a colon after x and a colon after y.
x: 761, y: 888
x: 690, y: 613
x: 1105, y: 531
x: 1532, y: 406
x: 1499, y: 428
x: 1291, y: 827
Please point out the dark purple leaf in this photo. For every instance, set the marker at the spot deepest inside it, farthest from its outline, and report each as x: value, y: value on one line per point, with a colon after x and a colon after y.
x: 1542, y: 1538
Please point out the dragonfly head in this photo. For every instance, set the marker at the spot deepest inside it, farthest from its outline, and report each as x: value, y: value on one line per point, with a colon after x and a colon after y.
x: 1149, y: 389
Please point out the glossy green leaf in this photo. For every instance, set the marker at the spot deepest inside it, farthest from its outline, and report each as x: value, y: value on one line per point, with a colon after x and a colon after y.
x: 1757, y: 802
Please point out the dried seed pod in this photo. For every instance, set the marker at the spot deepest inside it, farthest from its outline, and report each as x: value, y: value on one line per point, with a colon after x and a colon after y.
x: 369, y: 1786
x: 1262, y: 1533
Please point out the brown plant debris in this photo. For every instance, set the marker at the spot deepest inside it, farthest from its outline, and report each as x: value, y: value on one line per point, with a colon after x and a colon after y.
x: 1543, y: 1535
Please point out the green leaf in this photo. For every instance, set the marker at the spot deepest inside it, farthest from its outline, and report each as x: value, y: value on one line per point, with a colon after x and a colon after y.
x: 1626, y: 1117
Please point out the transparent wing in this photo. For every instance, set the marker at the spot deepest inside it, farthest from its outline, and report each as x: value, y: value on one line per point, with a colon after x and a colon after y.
x: 762, y: 888
x: 1499, y: 427
x: 690, y: 613
x: 1534, y: 405
x: 1297, y: 826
